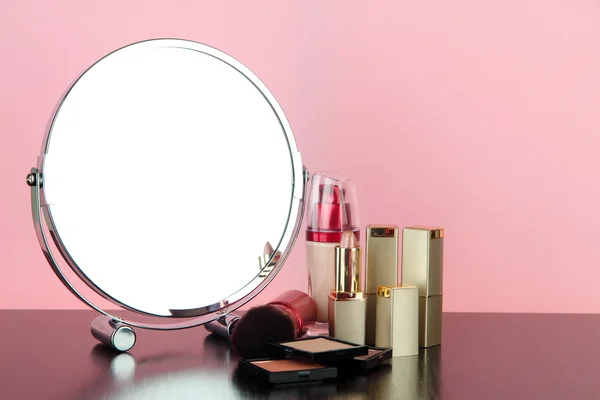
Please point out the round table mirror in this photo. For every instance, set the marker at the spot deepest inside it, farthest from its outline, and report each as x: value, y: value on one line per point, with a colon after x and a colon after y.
x: 166, y: 174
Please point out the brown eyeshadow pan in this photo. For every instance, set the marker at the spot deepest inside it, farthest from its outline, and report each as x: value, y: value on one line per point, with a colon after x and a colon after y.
x: 372, y: 352
x: 285, y: 365
x: 280, y: 371
x: 317, y: 345
x: 322, y: 350
x: 376, y: 356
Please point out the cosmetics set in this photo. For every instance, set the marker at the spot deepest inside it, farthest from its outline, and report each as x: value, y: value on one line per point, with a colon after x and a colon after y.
x: 313, y: 359
x: 355, y: 314
x: 273, y: 340
x: 402, y: 314
x: 368, y: 322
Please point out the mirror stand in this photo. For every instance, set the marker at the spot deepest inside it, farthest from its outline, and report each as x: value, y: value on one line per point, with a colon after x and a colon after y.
x: 113, y: 333
x: 105, y: 328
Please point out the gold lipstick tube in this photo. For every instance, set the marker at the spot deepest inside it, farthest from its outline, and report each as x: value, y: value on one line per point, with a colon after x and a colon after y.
x: 381, y: 258
x: 422, y: 266
x: 347, y: 304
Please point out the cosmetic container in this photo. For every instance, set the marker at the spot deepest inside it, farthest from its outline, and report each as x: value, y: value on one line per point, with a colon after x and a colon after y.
x: 332, y: 209
x: 422, y: 266
x: 286, y: 371
x: 320, y: 350
x: 398, y: 319
x: 381, y: 268
x: 347, y: 301
x: 375, y: 357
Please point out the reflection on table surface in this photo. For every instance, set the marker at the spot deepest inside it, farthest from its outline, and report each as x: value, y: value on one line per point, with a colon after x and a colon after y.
x: 51, y: 355
x: 214, y: 373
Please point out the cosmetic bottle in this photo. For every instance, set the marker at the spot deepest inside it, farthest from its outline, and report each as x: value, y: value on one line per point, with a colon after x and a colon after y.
x: 422, y: 266
x: 381, y: 268
x: 347, y: 302
x: 332, y: 209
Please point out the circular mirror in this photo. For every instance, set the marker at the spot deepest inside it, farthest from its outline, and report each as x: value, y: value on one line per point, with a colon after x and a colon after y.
x: 167, y: 171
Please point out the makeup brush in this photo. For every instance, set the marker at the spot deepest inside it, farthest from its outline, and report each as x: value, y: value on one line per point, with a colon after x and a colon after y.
x: 224, y: 325
x: 282, y: 319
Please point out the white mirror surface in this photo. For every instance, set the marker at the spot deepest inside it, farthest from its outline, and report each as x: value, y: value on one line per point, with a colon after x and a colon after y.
x: 166, y: 170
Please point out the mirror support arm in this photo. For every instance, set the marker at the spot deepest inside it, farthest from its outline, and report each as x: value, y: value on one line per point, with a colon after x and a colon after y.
x: 105, y: 328
x: 34, y: 179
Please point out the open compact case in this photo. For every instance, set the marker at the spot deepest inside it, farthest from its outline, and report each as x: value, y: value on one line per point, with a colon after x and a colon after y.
x: 166, y: 171
x: 312, y: 359
x: 319, y: 349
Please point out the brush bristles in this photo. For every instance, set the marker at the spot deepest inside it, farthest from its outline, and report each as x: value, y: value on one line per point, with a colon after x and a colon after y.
x: 259, y: 327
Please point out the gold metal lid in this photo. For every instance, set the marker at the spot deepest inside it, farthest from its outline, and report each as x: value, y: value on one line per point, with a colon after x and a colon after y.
x: 384, y: 291
x: 382, y: 230
x: 435, y: 232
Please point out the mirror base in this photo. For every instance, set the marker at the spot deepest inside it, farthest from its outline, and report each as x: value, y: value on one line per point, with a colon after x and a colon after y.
x: 113, y: 333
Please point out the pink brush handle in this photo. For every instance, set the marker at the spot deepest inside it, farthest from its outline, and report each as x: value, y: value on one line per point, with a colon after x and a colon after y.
x: 299, y: 305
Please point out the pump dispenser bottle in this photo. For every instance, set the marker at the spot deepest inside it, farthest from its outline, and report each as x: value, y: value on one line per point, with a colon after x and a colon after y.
x: 332, y: 209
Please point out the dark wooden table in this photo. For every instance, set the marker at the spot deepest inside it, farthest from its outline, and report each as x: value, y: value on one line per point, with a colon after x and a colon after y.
x: 51, y: 355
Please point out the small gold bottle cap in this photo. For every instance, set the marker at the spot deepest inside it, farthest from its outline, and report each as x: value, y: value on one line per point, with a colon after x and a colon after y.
x: 383, y: 291
x: 434, y: 232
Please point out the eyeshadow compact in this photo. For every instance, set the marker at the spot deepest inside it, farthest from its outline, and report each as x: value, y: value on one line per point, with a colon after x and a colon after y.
x: 375, y: 357
x: 286, y: 370
x: 318, y: 350
x: 313, y: 359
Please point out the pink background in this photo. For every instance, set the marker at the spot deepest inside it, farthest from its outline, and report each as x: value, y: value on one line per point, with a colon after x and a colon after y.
x: 479, y: 116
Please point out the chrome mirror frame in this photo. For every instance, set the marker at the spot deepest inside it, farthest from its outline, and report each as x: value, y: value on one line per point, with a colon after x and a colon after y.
x: 115, y: 331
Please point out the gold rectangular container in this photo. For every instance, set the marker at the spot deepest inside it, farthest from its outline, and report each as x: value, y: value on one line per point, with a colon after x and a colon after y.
x: 347, y: 317
x: 398, y: 319
x: 381, y: 268
x: 422, y: 266
x: 430, y: 320
x: 347, y: 306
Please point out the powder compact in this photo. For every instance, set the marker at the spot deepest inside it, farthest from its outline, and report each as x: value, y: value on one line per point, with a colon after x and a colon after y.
x: 375, y: 357
x: 286, y: 370
x: 313, y: 359
x: 319, y: 350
